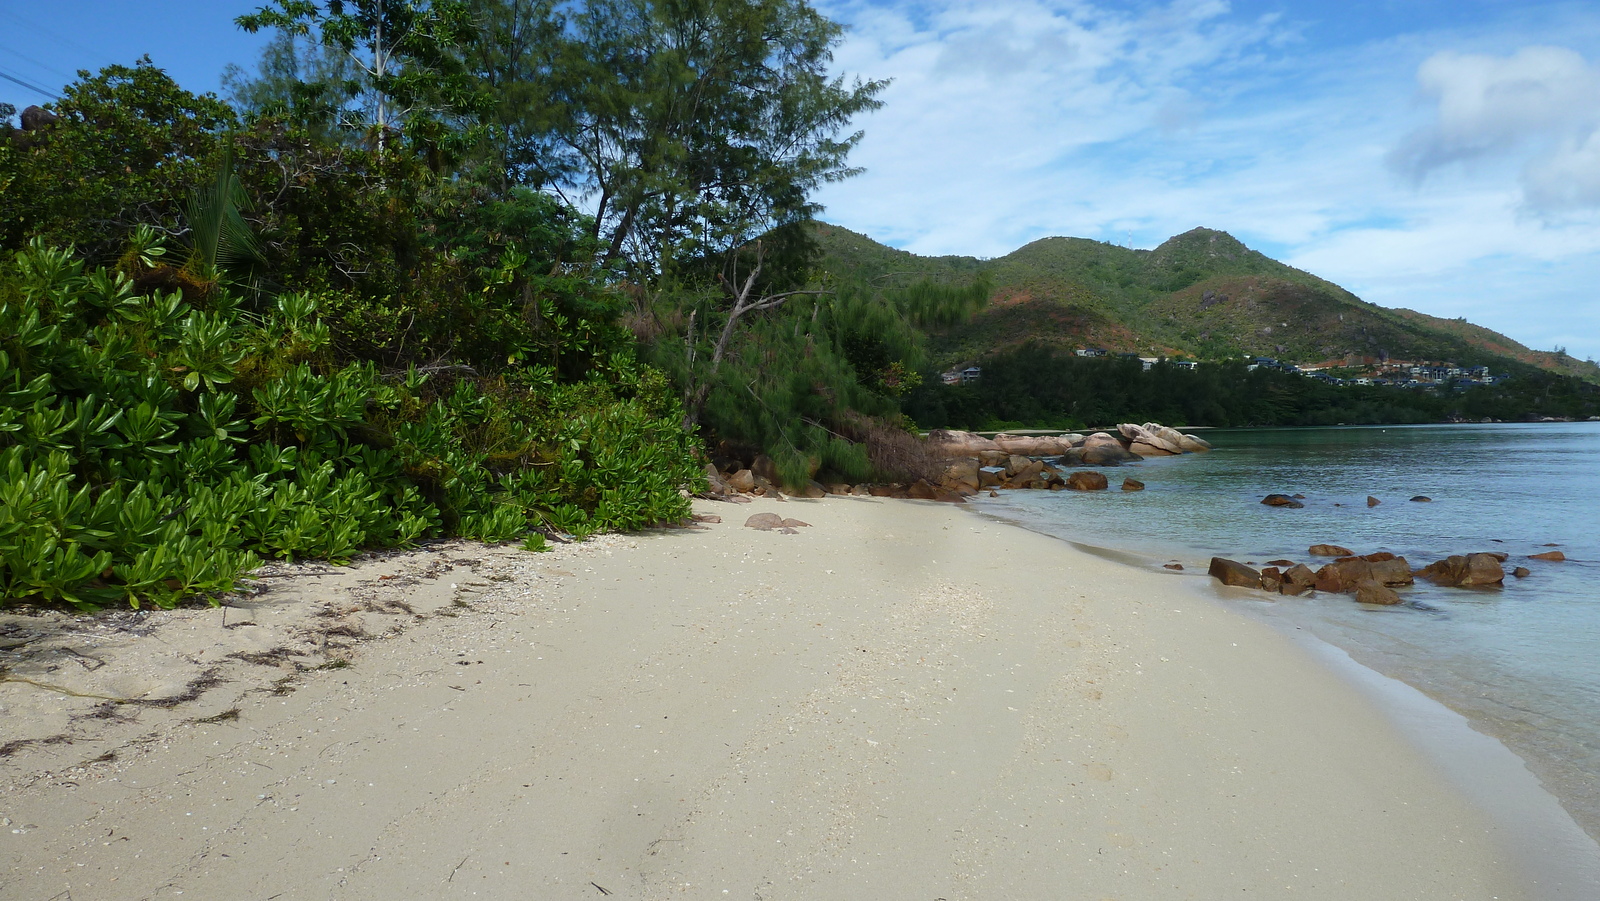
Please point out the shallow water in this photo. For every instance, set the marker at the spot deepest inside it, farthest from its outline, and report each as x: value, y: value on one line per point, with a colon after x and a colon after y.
x: 1523, y: 661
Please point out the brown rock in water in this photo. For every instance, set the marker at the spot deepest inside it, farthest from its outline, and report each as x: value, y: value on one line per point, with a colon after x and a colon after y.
x: 1022, y: 475
x: 1343, y: 575
x: 1422, y: 499
x: 1330, y: 550
x: 1132, y: 485
x: 1109, y: 455
x: 991, y: 476
x: 1281, y: 500
x: 1298, y: 579
x: 1083, y: 480
x: 1457, y: 571
x: 1522, y: 572
x: 1393, y: 571
x: 1376, y: 556
x: 1145, y: 449
x: 1017, y: 463
x: 765, y: 522
x: 1372, y: 501
x: 1192, y: 445
x: 1232, y: 572
x: 993, y: 458
x: 1552, y: 556
x: 1271, y: 578
x: 1283, y: 563
x: 1502, y: 556
x: 1173, y: 566
x: 743, y: 481
x: 993, y: 493
x: 1370, y: 592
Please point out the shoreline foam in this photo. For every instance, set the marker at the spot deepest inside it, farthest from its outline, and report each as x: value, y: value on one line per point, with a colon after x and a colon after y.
x: 900, y: 701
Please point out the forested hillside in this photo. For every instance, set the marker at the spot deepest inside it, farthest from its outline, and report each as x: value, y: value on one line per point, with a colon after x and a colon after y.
x: 1201, y: 295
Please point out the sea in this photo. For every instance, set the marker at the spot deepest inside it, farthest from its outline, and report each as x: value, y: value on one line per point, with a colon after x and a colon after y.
x: 1521, y: 662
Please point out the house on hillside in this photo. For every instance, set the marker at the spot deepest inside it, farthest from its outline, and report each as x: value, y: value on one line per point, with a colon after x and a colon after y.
x: 1091, y: 351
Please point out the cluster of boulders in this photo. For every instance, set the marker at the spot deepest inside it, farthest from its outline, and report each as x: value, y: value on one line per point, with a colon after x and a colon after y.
x: 1130, y: 444
x: 1371, y: 578
x: 980, y: 464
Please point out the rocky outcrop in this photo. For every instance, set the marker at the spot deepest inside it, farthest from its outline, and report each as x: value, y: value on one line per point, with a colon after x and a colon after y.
x: 1132, y: 485
x: 1193, y: 445
x: 1038, y: 445
x: 1281, y: 500
x: 1330, y: 550
x: 1297, y: 579
x: 1373, y: 592
x: 956, y: 443
x: 772, y: 522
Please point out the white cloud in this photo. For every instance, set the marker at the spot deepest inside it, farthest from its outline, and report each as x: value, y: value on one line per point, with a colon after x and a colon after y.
x: 1538, y: 106
x: 1018, y: 119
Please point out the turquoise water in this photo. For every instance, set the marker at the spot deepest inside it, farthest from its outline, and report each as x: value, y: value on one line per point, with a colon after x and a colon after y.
x: 1522, y: 662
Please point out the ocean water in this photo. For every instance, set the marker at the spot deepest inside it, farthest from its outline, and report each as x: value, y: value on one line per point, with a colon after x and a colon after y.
x: 1522, y: 662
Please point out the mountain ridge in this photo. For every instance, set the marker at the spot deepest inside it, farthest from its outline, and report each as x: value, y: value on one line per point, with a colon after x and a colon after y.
x: 1202, y: 294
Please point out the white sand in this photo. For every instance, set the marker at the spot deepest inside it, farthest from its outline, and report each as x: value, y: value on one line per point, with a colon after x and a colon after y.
x: 902, y: 701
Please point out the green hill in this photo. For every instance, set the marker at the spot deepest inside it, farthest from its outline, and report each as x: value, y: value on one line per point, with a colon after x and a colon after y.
x: 1200, y: 295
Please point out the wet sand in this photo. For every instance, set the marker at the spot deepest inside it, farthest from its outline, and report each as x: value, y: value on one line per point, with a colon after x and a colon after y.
x: 902, y: 700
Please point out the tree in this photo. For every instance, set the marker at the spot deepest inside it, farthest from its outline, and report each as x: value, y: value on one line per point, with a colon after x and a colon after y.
x: 129, y: 148
x: 404, y: 53
x: 691, y: 127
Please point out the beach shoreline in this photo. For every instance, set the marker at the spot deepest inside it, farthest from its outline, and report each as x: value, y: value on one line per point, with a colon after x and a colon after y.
x: 900, y: 700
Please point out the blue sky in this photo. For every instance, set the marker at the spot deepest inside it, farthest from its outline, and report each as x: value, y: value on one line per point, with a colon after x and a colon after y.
x: 1442, y: 156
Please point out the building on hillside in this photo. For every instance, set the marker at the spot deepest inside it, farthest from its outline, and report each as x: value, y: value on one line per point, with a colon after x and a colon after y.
x: 1091, y: 351
x: 1187, y: 364
x: 1149, y: 362
x: 971, y: 374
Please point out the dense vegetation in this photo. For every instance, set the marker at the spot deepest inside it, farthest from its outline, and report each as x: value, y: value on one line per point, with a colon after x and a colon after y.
x: 1040, y: 386
x: 386, y: 293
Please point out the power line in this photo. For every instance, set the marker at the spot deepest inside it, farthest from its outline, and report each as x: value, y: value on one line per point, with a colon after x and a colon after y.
x: 32, y: 87
x: 28, y: 59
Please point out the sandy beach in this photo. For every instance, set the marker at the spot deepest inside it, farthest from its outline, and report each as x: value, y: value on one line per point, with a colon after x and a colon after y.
x: 902, y: 700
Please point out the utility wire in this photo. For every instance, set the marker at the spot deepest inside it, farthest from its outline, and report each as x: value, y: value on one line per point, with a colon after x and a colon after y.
x: 32, y: 87
x: 28, y: 59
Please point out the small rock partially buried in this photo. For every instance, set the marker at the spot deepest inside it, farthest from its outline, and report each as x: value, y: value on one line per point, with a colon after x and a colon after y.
x: 1172, y: 566
x: 1281, y: 500
x: 1330, y: 550
x: 768, y: 522
x: 1422, y: 499
x: 1132, y: 485
x: 1522, y: 572
x: 1372, y: 501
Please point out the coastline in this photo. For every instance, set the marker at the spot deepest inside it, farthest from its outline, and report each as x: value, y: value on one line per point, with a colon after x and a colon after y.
x: 901, y: 700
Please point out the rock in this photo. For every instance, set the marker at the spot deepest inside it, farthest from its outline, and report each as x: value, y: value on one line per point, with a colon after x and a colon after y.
x: 1108, y: 455
x: 921, y: 490
x: 795, y: 524
x: 1372, y: 501
x: 1343, y: 575
x: 1271, y: 578
x: 1522, y: 572
x: 1100, y: 439
x: 946, y: 496
x: 838, y: 488
x: 1173, y: 566
x: 765, y: 522
x: 1022, y: 475
x: 1391, y: 571
x: 1192, y: 445
x: 881, y: 490
x: 1552, y: 556
x: 1330, y: 550
x: 1502, y: 556
x: 956, y: 443
x: 1297, y: 579
x: 716, y: 485
x: 1169, y: 435
x: 1132, y: 485
x: 1459, y: 571
x: 1422, y: 499
x: 812, y: 489
x: 993, y: 493
x: 962, y: 472
x: 743, y: 481
x: 1083, y: 480
x: 1376, y: 557
x: 993, y: 458
x: 1232, y: 572
x: 765, y: 468
x: 1034, y: 445
x: 35, y: 118
x: 1146, y: 449
x: 1281, y: 500
x: 706, y: 518
x: 991, y: 476
x: 861, y: 491
x: 1283, y: 563
x: 1370, y: 592
x: 1072, y: 457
